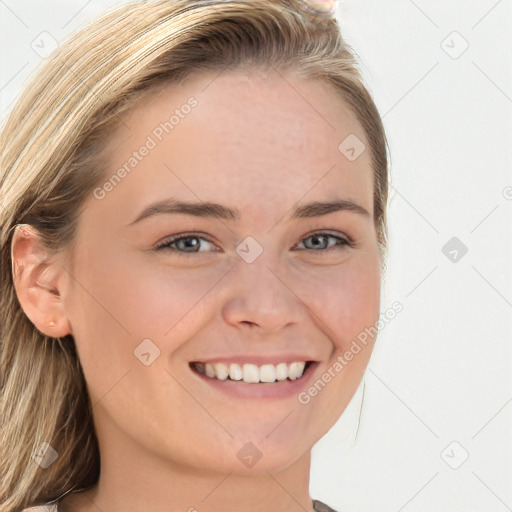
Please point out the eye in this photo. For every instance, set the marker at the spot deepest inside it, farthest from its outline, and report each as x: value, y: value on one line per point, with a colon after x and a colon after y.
x: 320, y: 242
x: 191, y: 243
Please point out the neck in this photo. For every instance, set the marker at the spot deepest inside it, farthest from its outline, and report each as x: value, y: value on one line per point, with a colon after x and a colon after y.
x: 162, y: 485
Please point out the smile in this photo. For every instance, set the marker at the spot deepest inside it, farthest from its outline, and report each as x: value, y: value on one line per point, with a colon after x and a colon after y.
x: 252, y: 373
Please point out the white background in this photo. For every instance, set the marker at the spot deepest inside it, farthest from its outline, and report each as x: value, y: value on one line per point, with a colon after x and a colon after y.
x: 440, y: 374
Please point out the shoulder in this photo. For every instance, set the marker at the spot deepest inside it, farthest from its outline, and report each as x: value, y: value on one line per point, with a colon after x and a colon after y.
x: 322, y: 507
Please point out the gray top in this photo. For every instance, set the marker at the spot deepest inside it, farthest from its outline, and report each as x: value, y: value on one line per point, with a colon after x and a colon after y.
x: 322, y: 507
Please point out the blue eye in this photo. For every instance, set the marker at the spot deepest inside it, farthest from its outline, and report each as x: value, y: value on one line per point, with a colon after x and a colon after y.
x: 192, y: 243
x: 340, y: 242
x: 182, y: 249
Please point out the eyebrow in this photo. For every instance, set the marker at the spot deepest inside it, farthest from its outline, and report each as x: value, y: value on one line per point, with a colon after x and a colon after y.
x: 218, y: 211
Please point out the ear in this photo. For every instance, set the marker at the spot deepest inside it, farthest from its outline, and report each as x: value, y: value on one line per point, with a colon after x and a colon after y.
x: 39, y: 282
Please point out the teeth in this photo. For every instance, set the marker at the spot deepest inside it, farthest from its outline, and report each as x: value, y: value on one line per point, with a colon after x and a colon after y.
x: 252, y: 373
x: 221, y: 371
x: 268, y: 373
x: 235, y: 371
x: 295, y: 370
x: 210, y: 371
x: 282, y: 371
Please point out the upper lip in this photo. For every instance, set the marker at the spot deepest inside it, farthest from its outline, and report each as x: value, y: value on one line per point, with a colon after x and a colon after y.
x: 258, y: 360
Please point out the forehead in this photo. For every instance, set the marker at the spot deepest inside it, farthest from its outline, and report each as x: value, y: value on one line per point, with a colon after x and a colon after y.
x: 241, y: 137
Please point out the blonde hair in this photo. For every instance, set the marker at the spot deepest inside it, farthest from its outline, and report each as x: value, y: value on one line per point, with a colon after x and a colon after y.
x: 52, y: 149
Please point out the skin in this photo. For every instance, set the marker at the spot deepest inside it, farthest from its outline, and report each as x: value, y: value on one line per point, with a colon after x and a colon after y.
x: 261, y: 142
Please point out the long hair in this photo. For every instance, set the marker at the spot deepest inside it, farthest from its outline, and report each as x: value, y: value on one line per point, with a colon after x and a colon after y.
x: 53, y: 154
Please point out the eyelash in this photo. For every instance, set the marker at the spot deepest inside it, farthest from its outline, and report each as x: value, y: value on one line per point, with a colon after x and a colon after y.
x: 167, y: 244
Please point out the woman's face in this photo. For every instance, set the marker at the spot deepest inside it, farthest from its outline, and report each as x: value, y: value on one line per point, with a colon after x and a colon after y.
x: 258, y: 285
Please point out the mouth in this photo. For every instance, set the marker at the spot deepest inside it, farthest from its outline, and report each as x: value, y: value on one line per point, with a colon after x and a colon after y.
x: 248, y: 373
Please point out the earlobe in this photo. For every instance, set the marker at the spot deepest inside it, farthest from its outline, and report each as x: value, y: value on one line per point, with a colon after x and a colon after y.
x: 38, y: 281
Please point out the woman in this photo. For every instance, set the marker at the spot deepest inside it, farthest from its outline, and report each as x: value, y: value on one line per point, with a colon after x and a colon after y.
x: 193, y: 235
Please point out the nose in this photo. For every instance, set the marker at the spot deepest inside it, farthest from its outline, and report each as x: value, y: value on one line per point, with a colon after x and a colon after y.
x: 261, y: 297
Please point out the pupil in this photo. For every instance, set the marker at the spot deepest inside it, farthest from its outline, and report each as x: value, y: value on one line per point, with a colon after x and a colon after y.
x: 190, y: 242
x: 316, y: 238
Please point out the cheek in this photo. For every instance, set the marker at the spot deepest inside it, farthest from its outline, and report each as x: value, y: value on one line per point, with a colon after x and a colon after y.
x: 345, y: 298
x: 139, y: 294
x: 117, y: 304
x: 163, y: 298
x: 359, y: 302
x: 133, y: 299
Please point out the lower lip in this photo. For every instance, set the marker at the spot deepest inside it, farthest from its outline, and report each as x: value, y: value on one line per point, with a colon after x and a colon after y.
x: 280, y: 389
